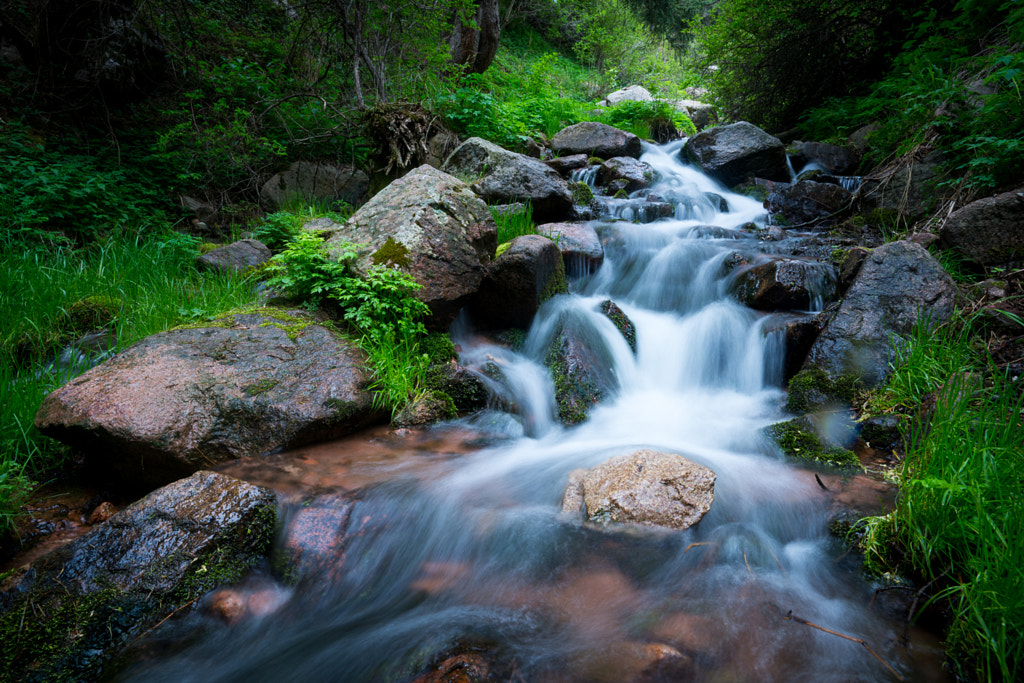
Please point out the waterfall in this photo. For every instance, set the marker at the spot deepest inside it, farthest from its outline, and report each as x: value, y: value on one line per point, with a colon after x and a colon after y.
x: 472, y: 553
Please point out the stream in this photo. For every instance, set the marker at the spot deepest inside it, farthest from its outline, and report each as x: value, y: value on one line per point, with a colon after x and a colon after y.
x: 454, y: 545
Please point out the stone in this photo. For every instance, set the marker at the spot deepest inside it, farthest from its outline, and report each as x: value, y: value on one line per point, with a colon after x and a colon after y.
x: 621, y: 321
x: 245, y: 385
x: 526, y: 274
x: 829, y: 158
x: 637, y: 174
x: 236, y: 257
x: 596, y: 140
x: 314, y: 180
x: 736, y: 152
x: 907, y: 189
x: 424, y: 409
x: 631, y: 93
x: 434, y: 227
x: 579, y: 244
x: 581, y: 372
x: 701, y: 114
x: 95, y: 596
x: 499, y: 176
x: 564, y: 166
x: 784, y: 284
x: 899, y: 286
x: 989, y: 231
x: 806, y: 200
x: 102, y: 513
x: 645, y: 488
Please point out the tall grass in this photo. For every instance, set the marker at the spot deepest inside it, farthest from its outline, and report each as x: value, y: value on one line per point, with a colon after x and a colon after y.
x: 961, y: 504
x: 513, y: 224
x: 143, y: 286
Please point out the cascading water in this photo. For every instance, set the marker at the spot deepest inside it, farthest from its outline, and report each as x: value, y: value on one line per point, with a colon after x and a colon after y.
x: 471, y: 553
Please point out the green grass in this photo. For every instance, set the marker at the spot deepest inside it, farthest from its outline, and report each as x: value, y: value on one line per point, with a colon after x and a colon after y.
x: 961, y: 504
x: 514, y: 224
x: 132, y: 287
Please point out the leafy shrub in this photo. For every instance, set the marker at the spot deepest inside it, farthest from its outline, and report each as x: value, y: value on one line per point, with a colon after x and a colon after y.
x: 640, y: 118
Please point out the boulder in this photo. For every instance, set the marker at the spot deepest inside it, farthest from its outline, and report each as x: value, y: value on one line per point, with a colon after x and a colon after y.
x: 596, y: 139
x: 236, y: 257
x: 567, y: 164
x: 637, y: 174
x: 899, y: 285
x: 989, y: 231
x: 736, y: 152
x: 314, y: 180
x: 806, y: 200
x: 784, y: 284
x: 92, y: 598
x: 907, y: 189
x: 621, y: 321
x: 178, y: 401
x: 526, y: 275
x: 579, y: 244
x: 702, y: 114
x: 500, y: 177
x: 829, y: 158
x: 433, y: 226
x: 646, y: 488
x: 581, y: 372
x: 631, y: 93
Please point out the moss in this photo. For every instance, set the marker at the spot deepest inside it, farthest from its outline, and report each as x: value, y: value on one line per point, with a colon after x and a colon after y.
x: 758, y: 192
x: 595, y: 161
x: 260, y: 387
x: 438, y: 345
x: 621, y: 194
x: 797, y: 440
x: 502, y: 248
x: 581, y: 193
x: 293, y: 330
x: 556, y: 284
x: 513, y: 338
x: 621, y: 321
x: 391, y: 252
x: 575, y: 394
x: 91, y: 313
x: 812, y: 388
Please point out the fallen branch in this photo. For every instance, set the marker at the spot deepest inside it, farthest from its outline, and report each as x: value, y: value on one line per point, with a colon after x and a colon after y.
x: 793, y: 617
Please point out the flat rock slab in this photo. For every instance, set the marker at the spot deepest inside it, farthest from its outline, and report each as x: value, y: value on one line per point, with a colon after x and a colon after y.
x: 646, y: 488
x: 92, y: 598
x: 186, y: 399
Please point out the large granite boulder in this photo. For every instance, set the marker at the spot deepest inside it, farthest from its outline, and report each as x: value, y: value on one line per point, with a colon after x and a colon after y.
x: 236, y: 257
x: 645, y: 488
x: 636, y: 174
x: 580, y: 246
x: 785, y: 284
x: 736, y: 152
x: 499, y: 176
x: 989, y: 231
x: 314, y: 180
x: 597, y: 140
x: 89, y: 600
x: 179, y: 401
x: 631, y: 93
x: 908, y: 189
x: 807, y: 200
x: 525, y: 275
x: 431, y: 225
x: 899, y: 285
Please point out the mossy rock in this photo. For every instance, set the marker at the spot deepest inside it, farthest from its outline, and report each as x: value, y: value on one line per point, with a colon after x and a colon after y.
x: 439, y: 346
x: 812, y: 389
x: 466, y: 390
x: 556, y: 284
x: 799, y: 440
x: 758, y: 192
x: 92, y: 313
x: 391, y: 253
x: 429, y: 407
x: 621, y: 321
x: 581, y: 194
x: 513, y: 338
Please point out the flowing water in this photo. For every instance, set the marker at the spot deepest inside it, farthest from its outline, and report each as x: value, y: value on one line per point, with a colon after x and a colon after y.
x: 456, y: 542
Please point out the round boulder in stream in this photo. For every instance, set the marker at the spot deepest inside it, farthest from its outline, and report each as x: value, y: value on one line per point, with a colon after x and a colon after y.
x: 786, y: 284
x: 736, y: 152
x: 596, y: 140
x: 646, y: 488
x: 636, y: 174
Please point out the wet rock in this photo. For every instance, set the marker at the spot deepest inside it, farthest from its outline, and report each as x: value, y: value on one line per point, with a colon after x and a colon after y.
x: 646, y: 487
x: 783, y: 284
x: 883, y: 432
x: 307, y: 180
x: 908, y: 189
x: 427, y: 408
x: 102, y: 513
x: 807, y: 200
x: 831, y: 159
x: 462, y: 668
x: 581, y: 373
x: 526, y: 275
x: 431, y: 225
x: 579, y: 244
x: 816, y: 438
x: 467, y: 389
x: 636, y: 662
x: 989, y: 231
x: 850, y: 266
x: 717, y: 201
x: 636, y: 174
x: 737, y: 152
x: 235, y: 257
x: 631, y: 93
x: 178, y: 401
x: 899, y: 285
x: 564, y: 166
x: 621, y: 322
x: 96, y: 595
x: 596, y: 140
x: 499, y: 176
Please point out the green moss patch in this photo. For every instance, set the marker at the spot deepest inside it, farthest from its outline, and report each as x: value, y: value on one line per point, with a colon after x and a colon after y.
x: 798, y: 439
x: 391, y: 252
x: 812, y: 389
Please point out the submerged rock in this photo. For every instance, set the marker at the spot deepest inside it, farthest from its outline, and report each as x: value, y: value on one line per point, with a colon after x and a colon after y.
x: 92, y: 598
x: 178, y: 401
x: 646, y: 488
x: 431, y: 225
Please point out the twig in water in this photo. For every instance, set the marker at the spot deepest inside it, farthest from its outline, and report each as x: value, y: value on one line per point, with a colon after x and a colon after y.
x: 863, y: 642
x: 694, y: 545
x: 820, y: 482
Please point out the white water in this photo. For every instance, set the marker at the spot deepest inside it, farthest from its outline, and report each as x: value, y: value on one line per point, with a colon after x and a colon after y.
x: 481, y: 554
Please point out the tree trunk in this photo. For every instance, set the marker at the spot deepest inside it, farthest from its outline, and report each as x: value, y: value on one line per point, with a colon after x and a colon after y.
x: 475, y: 46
